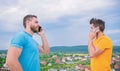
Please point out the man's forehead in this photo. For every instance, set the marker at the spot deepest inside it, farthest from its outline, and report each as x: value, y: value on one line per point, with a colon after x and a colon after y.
x: 34, y: 18
x: 92, y: 25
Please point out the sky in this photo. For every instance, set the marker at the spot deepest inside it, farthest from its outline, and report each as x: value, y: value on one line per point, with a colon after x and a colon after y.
x: 65, y: 22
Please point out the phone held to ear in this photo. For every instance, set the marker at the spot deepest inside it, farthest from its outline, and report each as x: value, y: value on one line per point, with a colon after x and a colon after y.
x: 39, y: 29
x: 96, y: 29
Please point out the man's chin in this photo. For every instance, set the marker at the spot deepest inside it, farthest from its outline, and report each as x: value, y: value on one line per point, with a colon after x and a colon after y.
x: 35, y: 31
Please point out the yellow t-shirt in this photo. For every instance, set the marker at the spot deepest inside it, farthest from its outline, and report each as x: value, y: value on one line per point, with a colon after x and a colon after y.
x: 102, y: 61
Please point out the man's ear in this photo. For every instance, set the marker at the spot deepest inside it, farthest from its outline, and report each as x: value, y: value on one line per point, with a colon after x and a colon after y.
x: 28, y: 23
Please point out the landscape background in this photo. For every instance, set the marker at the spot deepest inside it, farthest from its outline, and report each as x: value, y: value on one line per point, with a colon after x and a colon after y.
x: 66, y: 25
x: 68, y: 58
x: 65, y: 22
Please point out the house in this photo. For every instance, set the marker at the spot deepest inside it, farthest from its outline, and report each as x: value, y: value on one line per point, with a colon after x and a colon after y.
x: 80, y: 67
x: 55, y: 56
x: 43, y: 62
x: 57, y: 61
x: 87, y: 69
x: 63, y: 69
x: 52, y: 70
x: 49, y: 64
x: 117, y: 66
x: 63, y: 60
x: 83, y: 59
x: 69, y: 58
x: 77, y: 58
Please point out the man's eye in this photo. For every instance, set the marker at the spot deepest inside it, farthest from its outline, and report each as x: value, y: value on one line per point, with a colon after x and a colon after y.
x: 36, y: 22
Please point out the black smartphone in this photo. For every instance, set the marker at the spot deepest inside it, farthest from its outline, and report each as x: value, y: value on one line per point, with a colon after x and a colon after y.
x: 39, y: 29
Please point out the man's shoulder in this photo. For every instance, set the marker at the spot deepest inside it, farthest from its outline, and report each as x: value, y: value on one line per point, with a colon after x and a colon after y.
x: 106, y: 37
x: 18, y: 40
x: 19, y: 35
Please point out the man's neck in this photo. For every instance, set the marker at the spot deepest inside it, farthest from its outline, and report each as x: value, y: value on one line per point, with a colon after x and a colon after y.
x: 29, y: 31
x: 100, y: 34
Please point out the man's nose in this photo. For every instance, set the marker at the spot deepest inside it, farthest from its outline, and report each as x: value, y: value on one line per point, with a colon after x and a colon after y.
x: 38, y: 24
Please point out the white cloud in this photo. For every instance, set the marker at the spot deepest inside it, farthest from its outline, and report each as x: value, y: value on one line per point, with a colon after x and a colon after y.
x: 47, y: 10
x: 80, y: 11
x: 116, y: 42
x: 114, y: 31
x: 76, y: 33
x: 53, y: 9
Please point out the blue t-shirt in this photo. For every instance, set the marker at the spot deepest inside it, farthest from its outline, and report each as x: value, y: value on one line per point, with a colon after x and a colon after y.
x: 29, y: 58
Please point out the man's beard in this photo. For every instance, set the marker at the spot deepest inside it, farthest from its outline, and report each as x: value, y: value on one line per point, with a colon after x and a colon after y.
x: 34, y: 29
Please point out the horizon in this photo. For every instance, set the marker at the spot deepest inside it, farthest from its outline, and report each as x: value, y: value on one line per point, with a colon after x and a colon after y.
x: 71, y: 46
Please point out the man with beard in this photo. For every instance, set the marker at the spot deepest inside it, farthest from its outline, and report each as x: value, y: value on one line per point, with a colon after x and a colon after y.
x: 23, y: 53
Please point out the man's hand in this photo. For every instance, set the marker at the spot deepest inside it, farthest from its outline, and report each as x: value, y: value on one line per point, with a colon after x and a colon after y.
x: 92, y: 36
x: 45, y: 46
x: 93, y: 51
x: 41, y: 33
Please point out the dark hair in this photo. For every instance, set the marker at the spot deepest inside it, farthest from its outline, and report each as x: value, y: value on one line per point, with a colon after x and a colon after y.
x: 98, y: 23
x: 26, y: 18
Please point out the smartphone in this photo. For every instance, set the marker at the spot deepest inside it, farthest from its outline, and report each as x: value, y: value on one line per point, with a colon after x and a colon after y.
x: 39, y: 29
x: 96, y: 29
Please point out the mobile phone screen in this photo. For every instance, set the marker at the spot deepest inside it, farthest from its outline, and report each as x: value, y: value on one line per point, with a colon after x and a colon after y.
x: 96, y: 29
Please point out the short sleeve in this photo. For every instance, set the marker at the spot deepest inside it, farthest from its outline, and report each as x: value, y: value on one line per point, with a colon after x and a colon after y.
x: 102, y: 44
x: 18, y: 41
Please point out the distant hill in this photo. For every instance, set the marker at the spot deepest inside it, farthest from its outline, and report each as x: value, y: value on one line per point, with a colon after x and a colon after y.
x: 72, y: 49
x: 3, y: 51
x: 77, y: 49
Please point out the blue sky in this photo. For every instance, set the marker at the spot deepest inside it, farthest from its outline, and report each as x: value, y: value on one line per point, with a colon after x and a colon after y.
x: 65, y: 22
